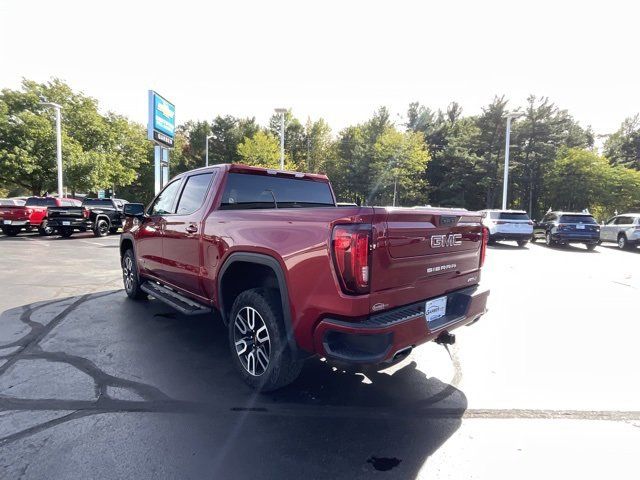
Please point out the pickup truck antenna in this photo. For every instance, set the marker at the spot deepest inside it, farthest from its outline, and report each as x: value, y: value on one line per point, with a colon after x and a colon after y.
x: 273, y: 195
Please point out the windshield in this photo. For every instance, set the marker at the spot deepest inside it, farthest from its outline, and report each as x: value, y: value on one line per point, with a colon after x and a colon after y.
x: 41, y: 202
x: 577, y: 219
x: 513, y: 216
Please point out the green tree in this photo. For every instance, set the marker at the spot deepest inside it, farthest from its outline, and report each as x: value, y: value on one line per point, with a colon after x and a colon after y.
x: 623, y: 147
x: 262, y: 150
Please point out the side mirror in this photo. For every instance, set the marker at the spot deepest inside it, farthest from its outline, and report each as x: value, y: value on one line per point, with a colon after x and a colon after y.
x: 133, y: 210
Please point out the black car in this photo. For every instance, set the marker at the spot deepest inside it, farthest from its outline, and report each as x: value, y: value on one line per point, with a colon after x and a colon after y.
x: 562, y: 228
x: 101, y: 215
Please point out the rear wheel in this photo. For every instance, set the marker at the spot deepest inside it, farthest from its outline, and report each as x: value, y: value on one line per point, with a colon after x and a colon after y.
x: 66, y: 232
x: 44, y: 229
x: 591, y: 246
x: 522, y: 243
x: 258, y: 341
x: 622, y: 242
x: 130, y: 276
x: 11, y: 231
x: 102, y: 228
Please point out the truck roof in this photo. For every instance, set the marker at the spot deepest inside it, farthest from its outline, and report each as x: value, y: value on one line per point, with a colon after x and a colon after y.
x: 241, y: 168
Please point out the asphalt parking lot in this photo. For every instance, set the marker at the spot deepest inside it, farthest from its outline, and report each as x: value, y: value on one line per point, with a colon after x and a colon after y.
x: 93, y: 385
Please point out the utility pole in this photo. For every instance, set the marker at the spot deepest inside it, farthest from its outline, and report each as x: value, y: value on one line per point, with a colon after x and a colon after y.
x: 505, y: 183
x: 57, y: 108
x: 281, y: 111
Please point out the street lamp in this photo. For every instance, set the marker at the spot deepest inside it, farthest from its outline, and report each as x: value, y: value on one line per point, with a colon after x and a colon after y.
x: 206, y: 155
x: 281, y: 111
x: 58, y: 141
x: 505, y: 183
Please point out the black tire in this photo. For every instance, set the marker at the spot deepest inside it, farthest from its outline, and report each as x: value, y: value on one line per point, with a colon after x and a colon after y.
x: 130, y: 276
x: 11, y: 231
x: 522, y: 243
x: 101, y: 229
x: 113, y: 230
x: 533, y: 239
x: 65, y: 232
x: 44, y: 229
x: 591, y: 246
x: 281, y: 367
x: 623, y: 244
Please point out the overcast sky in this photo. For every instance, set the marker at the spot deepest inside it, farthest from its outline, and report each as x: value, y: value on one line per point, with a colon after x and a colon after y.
x: 333, y: 59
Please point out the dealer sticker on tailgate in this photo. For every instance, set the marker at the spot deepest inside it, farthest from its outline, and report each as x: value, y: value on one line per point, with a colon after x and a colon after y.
x: 435, y: 309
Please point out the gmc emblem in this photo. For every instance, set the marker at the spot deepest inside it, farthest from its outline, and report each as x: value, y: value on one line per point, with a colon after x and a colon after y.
x: 441, y: 241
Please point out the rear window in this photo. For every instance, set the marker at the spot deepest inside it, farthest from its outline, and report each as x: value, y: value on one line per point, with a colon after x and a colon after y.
x: 97, y: 202
x: 246, y: 191
x: 513, y: 216
x: 577, y: 219
x: 40, y: 202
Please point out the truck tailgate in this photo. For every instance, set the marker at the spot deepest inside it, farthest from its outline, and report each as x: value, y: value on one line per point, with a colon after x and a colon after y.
x: 66, y: 212
x: 423, y: 253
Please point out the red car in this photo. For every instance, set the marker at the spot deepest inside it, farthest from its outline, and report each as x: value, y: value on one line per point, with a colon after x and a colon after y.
x: 31, y: 215
x: 293, y: 275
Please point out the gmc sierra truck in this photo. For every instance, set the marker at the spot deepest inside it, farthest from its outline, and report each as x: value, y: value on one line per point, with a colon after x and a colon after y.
x: 292, y: 274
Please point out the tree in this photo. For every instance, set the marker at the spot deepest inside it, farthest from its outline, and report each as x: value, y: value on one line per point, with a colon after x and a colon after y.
x: 261, y: 150
x: 623, y: 147
x: 99, y: 151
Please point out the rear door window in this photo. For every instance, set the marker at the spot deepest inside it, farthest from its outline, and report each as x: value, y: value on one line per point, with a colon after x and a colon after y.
x: 40, y: 202
x: 247, y: 191
x: 193, y: 194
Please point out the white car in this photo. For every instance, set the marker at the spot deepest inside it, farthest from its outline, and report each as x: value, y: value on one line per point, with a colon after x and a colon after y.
x: 513, y: 225
x: 623, y: 230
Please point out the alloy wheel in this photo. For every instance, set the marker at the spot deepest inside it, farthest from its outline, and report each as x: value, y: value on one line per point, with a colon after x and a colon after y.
x: 622, y: 242
x: 127, y: 273
x: 252, y: 341
x: 103, y: 227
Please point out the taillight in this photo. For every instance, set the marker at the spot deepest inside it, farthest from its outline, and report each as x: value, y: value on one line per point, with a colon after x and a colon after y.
x: 483, y: 247
x: 85, y: 213
x: 350, y: 248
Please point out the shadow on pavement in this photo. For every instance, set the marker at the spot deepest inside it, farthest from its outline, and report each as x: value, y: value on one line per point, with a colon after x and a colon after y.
x: 83, y: 376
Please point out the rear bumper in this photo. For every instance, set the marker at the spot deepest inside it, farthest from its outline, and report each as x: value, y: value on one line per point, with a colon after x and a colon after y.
x: 573, y: 238
x: 7, y: 222
x: 69, y: 223
x: 380, y: 337
x: 510, y: 236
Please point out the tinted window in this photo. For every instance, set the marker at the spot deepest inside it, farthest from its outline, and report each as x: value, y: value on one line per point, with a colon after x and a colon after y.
x: 97, y: 202
x: 624, y: 221
x: 263, y: 191
x: 193, y: 193
x: 164, y: 203
x: 513, y: 216
x: 41, y: 202
x: 577, y: 219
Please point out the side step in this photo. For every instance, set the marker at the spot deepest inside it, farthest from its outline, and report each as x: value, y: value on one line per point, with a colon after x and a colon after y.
x: 179, y: 302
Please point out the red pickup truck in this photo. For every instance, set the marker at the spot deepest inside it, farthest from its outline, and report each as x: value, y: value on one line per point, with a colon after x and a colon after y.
x: 33, y: 214
x: 292, y: 274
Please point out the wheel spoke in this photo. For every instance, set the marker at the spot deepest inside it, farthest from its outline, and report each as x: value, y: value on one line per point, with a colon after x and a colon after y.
x: 241, y: 346
x: 262, y: 335
x: 251, y: 363
x: 262, y: 357
x: 241, y: 324
x: 251, y: 318
x: 252, y: 341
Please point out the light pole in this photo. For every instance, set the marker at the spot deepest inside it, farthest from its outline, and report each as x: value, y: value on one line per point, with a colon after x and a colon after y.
x: 206, y: 155
x: 281, y: 111
x: 58, y: 142
x: 505, y: 183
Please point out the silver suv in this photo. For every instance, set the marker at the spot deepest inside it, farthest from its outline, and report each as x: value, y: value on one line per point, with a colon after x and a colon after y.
x: 623, y: 230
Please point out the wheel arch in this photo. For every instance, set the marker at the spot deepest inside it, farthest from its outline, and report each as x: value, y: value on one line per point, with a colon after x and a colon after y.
x: 234, y: 266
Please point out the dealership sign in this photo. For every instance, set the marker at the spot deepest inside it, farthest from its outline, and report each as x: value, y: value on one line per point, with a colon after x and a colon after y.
x: 162, y: 120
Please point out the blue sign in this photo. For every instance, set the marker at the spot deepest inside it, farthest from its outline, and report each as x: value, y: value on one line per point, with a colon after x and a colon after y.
x: 162, y: 120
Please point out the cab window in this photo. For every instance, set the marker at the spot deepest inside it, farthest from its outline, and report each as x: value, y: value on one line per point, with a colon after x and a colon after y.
x: 194, y: 193
x: 163, y: 204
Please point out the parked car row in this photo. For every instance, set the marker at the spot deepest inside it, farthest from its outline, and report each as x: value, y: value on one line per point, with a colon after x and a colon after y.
x: 49, y: 215
x: 559, y: 228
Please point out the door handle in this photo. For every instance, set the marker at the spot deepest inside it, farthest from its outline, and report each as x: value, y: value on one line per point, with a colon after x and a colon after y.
x: 193, y: 228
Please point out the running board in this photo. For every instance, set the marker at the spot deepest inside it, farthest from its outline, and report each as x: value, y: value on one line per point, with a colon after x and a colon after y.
x: 179, y: 302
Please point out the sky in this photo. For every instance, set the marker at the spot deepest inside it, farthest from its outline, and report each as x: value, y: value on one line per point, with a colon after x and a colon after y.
x: 337, y: 60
